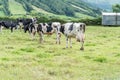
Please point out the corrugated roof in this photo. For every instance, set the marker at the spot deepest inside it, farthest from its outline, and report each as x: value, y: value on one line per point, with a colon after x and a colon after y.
x: 107, y: 13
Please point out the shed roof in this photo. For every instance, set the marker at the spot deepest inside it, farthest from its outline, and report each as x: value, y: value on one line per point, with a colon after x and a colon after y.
x: 107, y: 13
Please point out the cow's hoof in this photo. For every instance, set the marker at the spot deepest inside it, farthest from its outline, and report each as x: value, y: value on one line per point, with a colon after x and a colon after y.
x: 78, y: 40
x: 63, y: 48
x: 59, y: 43
x: 81, y: 48
x: 40, y: 42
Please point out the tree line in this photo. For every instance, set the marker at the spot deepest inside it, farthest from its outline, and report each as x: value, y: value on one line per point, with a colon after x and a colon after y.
x: 96, y: 21
x: 116, y: 8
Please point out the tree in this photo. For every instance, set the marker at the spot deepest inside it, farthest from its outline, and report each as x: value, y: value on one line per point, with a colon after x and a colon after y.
x: 116, y: 8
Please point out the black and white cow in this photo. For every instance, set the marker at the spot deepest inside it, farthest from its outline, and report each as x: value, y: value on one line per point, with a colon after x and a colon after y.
x: 75, y: 30
x: 26, y: 22
x: 8, y: 25
x: 50, y: 28
x: 32, y: 29
x: 28, y: 25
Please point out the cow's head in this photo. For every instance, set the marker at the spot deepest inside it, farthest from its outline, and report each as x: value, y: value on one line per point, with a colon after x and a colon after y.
x: 34, y: 20
x: 20, y: 22
x: 56, y: 27
x: 80, y: 28
x: 44, y: 27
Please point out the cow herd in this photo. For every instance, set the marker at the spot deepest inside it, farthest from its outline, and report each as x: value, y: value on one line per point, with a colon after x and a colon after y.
x: 70, y: 30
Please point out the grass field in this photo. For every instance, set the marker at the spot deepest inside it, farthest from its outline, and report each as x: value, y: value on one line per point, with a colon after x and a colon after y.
x: 24, y: 59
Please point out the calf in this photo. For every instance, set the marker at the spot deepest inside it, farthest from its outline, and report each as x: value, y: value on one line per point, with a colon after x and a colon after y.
x: 75, y: 30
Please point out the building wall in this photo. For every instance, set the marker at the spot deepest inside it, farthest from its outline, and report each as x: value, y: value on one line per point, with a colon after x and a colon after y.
x: 111, y: 19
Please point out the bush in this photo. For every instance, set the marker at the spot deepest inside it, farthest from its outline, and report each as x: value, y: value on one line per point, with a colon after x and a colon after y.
x: 96, y: 21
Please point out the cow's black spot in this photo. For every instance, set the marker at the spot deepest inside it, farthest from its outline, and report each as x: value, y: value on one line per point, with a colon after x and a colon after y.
x: 71, y: 27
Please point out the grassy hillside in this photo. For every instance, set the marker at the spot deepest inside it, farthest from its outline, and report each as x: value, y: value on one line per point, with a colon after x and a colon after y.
x: 28, y: 7
x: 4, y: 7
x: 2, y: 13
x: 16, y: 8
x: 45, y: 13
x: 26, y: 59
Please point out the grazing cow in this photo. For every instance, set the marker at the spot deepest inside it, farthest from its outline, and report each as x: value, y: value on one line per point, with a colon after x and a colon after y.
x: 8, y: 24
x: 32, y: 29
x: 75, y: 30
x: 28, y: 25
x: 50, y: 28
x: 26, y: 22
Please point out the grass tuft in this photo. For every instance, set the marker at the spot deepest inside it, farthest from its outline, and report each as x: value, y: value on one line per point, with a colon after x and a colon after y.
x: 43, y: 55
x: 117, y: 55
x: 4, y: 59
x: 100, y: 59
x: 16, y: 52
x: 27, y: 49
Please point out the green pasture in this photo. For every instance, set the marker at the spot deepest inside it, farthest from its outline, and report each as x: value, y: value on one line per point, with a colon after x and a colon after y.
x: 24, y: 59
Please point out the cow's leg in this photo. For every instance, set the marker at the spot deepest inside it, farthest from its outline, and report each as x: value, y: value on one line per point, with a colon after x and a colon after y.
x: 70, y: 42
x: 33, y: 34
x: 25, y: 29
x: 58, y: 38
x: 30, y: 32
x: 82, y: 42
x: 11, y: 29
x: 82, y: 45
x: 0, y: 28
x: 66, y: 42
x: 41, y: 36
x: 20, y: 28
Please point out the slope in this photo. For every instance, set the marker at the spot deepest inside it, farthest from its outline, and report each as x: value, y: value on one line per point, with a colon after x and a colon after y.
x: 16, y: 8
x: 69, y: 8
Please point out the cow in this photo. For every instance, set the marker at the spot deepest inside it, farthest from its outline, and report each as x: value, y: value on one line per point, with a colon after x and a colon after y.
x: 49, y: 28
x: 32, y: 29
x: 28, y: 25
x: 26, y: 22
x: 8, y: 25
x: 74, y: 30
